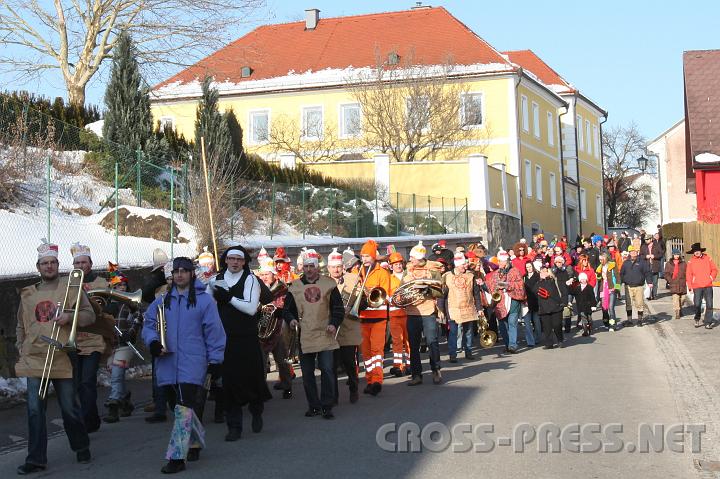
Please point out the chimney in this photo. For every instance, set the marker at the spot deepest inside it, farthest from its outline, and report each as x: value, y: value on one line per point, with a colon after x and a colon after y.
x: 312, y: 17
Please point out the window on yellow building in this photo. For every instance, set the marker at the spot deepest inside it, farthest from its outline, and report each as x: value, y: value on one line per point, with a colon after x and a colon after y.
x: 259, y: 126
x: 553, y: 191
x: 528, y: 179
x: 538, y: 183
x: 579, y: 128
x: 596, y: 137
x: 583, y: 203
x: 550, y: 129
x: 525, y: 114
x: 312, y: 122
x: 598, y: 210
x: 471, y: 114
x: 418, y: 113
x: 350, y: 120
x: 536, y: 120
x: 588, y: 138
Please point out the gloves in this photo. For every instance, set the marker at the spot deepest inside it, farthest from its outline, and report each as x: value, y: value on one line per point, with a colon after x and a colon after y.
x: 155, y: 348
x: 214, y: 370
x: 221, y: 295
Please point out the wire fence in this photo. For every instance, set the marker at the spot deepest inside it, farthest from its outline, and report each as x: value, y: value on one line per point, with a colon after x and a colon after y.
x: 66, y: 184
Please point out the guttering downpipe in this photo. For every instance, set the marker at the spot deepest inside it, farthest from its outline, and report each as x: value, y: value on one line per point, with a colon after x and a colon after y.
x: 602, y: 173
x: 519, y: 160
x: 577, y: 167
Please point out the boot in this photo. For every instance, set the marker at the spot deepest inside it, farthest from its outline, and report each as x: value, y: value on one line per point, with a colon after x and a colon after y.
x: 126, y: 406
x: 677, y: 314
x: 640, y: 319
x: 233, y: 434
x: 173, y: 466
x: 112, y: 415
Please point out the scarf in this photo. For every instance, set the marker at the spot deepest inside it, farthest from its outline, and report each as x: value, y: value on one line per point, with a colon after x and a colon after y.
x: 676, y: 269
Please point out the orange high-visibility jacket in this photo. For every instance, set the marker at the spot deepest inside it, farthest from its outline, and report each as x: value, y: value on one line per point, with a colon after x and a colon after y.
x: 377, y: 278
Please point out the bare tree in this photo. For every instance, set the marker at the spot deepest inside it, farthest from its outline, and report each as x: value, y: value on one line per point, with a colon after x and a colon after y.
x: 76, y: 36
x: 412, y: 112
x: 628, y: 201
x: 312, y: 142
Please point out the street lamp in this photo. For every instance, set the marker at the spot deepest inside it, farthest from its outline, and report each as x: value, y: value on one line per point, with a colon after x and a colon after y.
x: 642, y: 163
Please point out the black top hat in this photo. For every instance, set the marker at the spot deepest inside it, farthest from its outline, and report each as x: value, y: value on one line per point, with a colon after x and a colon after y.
x: 696, y: 247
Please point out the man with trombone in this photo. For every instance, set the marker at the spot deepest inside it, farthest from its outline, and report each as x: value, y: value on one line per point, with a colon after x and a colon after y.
x: 52, y: 308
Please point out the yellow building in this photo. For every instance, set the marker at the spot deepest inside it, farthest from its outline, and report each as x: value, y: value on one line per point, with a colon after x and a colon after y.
x: 300, y: 79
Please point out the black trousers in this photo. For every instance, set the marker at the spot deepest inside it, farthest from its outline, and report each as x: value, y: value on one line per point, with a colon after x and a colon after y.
x: 347, y: 356
x: 552, y: 323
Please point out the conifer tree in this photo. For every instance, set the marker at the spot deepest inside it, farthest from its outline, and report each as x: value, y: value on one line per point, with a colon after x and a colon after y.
x: 211, y: 125
x: 128, y: 121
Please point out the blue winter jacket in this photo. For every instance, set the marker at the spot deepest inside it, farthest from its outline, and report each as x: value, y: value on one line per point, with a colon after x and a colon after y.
x: 195, y: 337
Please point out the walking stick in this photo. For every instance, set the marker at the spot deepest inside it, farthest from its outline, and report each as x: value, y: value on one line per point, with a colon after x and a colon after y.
x: 207, y: 192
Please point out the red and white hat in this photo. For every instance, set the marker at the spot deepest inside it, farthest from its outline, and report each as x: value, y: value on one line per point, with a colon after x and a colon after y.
x: 77, y: 250
x: 335, y: 258
x: 503, y: 255
x: 267, y: 265
x: 459, y: 259
x: 311, y: 256
x: 281, y: 255
x: 47, y: 250
x: 262, y: 255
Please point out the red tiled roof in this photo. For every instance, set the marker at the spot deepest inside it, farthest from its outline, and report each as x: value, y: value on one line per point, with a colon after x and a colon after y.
x: 430, y: 36
x: 533, y: 63
x: 701, y: 69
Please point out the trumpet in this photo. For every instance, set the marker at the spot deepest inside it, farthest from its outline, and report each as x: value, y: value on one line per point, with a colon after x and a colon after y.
x: 497, y: 293
x: 75, y: 281
x: 161, y: 324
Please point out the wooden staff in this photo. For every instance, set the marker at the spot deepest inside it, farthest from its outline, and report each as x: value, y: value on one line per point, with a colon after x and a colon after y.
x: 209, y: 206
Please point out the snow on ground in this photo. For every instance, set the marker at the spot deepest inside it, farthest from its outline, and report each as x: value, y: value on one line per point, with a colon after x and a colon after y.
x: 12, y: 391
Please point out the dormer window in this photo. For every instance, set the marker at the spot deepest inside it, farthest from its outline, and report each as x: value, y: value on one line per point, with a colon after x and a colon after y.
x: 245, y: 72
x: 393, y: 58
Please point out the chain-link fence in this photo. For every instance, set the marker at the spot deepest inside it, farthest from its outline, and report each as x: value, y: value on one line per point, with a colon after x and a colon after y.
x: 66, y: 184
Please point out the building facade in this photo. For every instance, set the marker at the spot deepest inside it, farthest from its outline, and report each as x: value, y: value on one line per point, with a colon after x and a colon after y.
x: 538, y: 137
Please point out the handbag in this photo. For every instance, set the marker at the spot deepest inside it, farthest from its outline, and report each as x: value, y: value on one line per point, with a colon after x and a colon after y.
x: 567, y: 310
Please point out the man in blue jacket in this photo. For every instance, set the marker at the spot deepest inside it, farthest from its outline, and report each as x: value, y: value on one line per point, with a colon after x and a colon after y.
x: 194, y: 347
x: 635, y: 273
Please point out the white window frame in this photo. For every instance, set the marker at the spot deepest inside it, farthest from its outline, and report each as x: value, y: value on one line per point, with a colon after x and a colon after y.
x: 550, y: 128
x: 251, y: 128
x: 528, y: 179
x: 553, y: 190
x: 596, y: 137
x: 598, y: 210
x: 583, y: 203
x: 425, y: 128
x: 538, y: 183
x: 588, y: 137
x: 341, y: 115
x: 536, y: 119
x: 579, y: 129
x: 482, y: 109
x: 303, y: 130
x: 525, y: 114
x: 167, y: 120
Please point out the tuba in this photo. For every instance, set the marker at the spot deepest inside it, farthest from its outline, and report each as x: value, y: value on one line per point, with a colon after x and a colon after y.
x: 415, y: 292
x: 75, y: 281
x: 268, y: 312
x: 488, y: 337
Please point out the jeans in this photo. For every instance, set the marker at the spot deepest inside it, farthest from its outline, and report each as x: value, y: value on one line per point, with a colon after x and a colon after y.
x: 466, y: 337
x: 117, y: 383
x: 655, y: 277
x: 610, y: 312
x: 417, y: 326
x: 327, y: 379
x: 85, y: 376
x: 532, y: 328
x: 699, y: 294
x: 37, y: 425
x: 508, y: 327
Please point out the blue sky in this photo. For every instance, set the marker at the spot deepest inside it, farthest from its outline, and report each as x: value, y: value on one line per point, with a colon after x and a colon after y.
x: 624, y: 55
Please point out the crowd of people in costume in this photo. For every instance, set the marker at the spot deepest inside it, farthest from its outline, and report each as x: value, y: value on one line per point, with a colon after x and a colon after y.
x: 212, y: 324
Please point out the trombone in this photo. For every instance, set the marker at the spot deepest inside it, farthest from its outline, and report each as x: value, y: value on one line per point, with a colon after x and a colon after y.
x: 161, y: 324
x: 74, y: 281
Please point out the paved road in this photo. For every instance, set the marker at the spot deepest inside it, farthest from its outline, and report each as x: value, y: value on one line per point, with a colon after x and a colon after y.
x: 633, y: 376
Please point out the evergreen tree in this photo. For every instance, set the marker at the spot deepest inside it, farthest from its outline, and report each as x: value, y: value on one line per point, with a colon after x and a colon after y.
x: 128, y: 122
x: 211, y: 125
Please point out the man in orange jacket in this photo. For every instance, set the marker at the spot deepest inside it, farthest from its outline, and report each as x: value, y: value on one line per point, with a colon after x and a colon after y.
x: 373, y: 320
x: 398, y: 320
x: 699, y: 275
